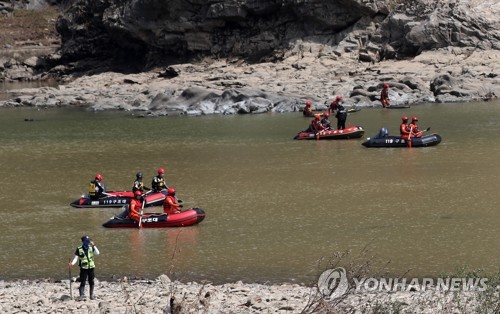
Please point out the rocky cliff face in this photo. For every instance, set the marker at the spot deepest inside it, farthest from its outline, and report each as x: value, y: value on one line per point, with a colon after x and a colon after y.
x: 420, y: 25
x: 153, y: 31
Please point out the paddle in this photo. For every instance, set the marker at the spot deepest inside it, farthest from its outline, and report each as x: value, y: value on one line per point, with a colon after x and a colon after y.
x: 409, y: 137
x: 140, y: 214
x: 144, y: 195
x: 70, y: 281
x: 426, y: 130
x: 319, y: 133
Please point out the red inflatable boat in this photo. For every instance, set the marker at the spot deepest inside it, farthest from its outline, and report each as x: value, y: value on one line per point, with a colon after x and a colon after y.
x: 118, y: 199
x: 345, y: 134
x: 188, y: 217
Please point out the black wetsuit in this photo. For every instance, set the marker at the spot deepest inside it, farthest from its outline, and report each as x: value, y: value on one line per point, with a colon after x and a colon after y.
x: 341, y: 117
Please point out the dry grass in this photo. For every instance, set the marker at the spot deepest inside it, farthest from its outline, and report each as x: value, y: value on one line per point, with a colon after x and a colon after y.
x: 29, y: 27
x: 481, y: 302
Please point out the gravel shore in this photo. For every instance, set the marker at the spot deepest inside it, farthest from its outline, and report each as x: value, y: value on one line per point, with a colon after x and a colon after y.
x: 164, y: 296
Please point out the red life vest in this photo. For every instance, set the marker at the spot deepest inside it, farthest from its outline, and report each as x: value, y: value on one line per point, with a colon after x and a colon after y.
x: 134, y: 209
x: 316, y: 125
x: 414, y: 130
x: 404, y: 130
x: 170, y: 205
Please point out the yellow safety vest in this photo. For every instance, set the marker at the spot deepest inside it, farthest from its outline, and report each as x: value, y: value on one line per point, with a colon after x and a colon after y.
x: 92, y: 189
x: 86, y: 260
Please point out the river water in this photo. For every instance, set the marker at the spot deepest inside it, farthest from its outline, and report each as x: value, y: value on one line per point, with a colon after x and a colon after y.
x: 274, y: 206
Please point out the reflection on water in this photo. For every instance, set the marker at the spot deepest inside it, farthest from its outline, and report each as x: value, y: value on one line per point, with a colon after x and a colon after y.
x: 274, y: 206
x: 7, y: 88
x: 169, y: 249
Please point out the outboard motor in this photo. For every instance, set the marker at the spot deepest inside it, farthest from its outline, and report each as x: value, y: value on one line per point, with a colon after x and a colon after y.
x: 382, y: 133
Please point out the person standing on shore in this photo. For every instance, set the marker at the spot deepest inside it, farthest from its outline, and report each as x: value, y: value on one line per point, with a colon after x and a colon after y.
x: 158, y: 182
x: 84, y: 254
x: 384, y: 96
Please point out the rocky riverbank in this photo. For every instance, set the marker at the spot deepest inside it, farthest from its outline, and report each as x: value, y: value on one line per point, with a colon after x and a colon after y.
x: 216, y: 86
x: 163, y: 296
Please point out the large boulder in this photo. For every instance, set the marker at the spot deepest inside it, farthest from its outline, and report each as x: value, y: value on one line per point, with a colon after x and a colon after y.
x: 418, y: 25
x: 155, y: 31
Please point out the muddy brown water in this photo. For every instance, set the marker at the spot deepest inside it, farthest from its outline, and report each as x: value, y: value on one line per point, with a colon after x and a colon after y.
x: 274, y: 206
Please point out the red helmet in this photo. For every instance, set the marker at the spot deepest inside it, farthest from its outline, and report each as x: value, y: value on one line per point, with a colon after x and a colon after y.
x: 171, y: 191
x: 339, y: 97
x: 414, y: 119
x: 386, y: 85
x: 98, y: 177
x: 326, y: 114
x: 404, y: 118
x: 161, y: 170
x: 308, y: 103
x: 317, y: 116
x: 137, y: 193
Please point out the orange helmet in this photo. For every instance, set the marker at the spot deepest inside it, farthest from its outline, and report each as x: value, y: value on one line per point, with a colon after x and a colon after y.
x: 317, y: 116
x: 98, y: 177
x: 308, y: 103
x: 386, y: 85
x: 414, y: 119
x: 339, y: 97
x: 326, y: 114
x: 161, y: 170
x: 404, y: 118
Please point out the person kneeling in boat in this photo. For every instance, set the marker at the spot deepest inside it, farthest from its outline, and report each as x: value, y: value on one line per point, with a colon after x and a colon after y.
x: 315, y: 125
x: 97, y: 188
x: 307, y: 112
x: 138, y: 184
x: 133, y: 209
x: 170, y: 204
x: 325, y: 122
x: 404, y: 129
x: 413, y: 126
x: 158, y: 182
